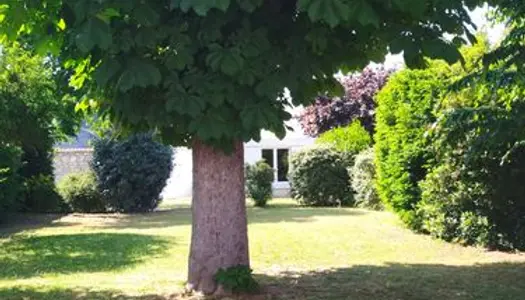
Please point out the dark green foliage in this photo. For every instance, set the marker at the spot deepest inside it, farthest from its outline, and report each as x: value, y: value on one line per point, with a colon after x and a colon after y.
x: 216, y: 70
x: 37, y: 160
x: 37, y: 172
x: 259, y: 178
x: 237, y: 279
x: 132, y: 173
x: 33, y: 116
x: 319, y: 177
x: 40, y: 195
x: 475, y: 194
x: 446, y: 209
x: 10, y: 180
x: 81, y: 194
x: 363, y: 180
x: 405, y: 111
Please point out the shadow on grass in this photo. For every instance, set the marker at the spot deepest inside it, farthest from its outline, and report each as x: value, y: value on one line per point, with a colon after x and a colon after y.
x: 182, y: 216
x: 25, y: 257
x: 69, y: 294
x: 17, y: 222
x: 501, y: 281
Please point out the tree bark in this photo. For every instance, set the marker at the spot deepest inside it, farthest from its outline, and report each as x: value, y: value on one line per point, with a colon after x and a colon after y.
x: 219, y: 237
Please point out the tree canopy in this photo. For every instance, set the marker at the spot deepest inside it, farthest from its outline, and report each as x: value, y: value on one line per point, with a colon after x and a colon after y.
x: 357, y: 104
x: 215, y: 70
x: 32, y: 111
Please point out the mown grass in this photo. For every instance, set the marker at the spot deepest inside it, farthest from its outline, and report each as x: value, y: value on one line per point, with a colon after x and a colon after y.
x: 297, y: 253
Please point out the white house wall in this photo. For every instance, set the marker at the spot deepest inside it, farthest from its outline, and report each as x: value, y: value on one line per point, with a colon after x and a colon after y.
x: 180, y: 183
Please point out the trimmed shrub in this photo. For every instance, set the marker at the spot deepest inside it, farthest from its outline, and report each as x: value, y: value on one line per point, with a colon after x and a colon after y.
x: 81, y: 194
x: 404, y: 112
x: 41, y: 196
x: 350, y: 140
x: 319, y: 177
x: 259, y: 178
x: 132, y: 173
x: 363, y: 181
x: 10, y: 180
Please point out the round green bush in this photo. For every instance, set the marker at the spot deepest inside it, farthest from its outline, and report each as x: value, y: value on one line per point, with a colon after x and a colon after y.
x: 350, y: 139
x: 363, y: 177
x: 319, y: 177
x: 259, y: 178
x: 81, y: 194
x: 132, y: 173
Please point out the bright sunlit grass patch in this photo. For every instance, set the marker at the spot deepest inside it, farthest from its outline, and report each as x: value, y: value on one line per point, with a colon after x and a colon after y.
x: 296, y: 253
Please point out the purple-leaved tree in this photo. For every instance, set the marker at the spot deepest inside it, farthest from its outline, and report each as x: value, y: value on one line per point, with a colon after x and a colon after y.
x: 357, y: 103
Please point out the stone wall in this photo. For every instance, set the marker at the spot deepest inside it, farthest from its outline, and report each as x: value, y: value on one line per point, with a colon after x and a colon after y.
x: 67, y: 161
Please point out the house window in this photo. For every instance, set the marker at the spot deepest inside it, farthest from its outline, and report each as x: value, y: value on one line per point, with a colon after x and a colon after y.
x: 282, y: 164
x: 278, y: 160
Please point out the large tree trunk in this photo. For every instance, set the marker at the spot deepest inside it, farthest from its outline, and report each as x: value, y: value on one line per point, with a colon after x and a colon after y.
x: 219, y: 237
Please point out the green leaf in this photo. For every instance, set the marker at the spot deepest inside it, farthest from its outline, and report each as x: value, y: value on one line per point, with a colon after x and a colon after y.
x: 107, y: 14
x: 80, y: 8
x: 93, y: 33
x: 251, y: 117
x: 439, y: 48
x: 139, y: 73
x: 366, y: 14
x: 174, y: 4
x: 106, y: 70
x: 332, y: 12
x: 145, y: 37
x: 413, y: 56
x: 249, y: 5
x: 229, y: 61
x: 415, y: 7
x: 398, y: 44
x: 148, y: 74
x: 201, y: 7
x: 145, y: 15
x: 179, y: 60
x: 48, y: 45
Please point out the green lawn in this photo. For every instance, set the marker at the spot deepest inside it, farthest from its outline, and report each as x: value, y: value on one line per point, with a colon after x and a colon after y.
x: 297, y: 253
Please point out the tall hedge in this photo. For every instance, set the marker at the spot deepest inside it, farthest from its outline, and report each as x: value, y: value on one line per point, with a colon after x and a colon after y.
x: 475, y: 192
x: 451, y: 162
x: 404, y: 113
